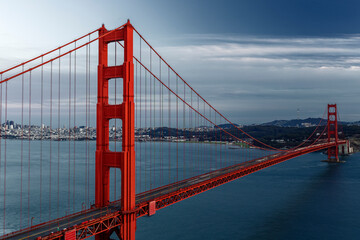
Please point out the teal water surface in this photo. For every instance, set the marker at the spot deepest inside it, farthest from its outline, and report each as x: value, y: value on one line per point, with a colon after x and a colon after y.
x: 302, y: 198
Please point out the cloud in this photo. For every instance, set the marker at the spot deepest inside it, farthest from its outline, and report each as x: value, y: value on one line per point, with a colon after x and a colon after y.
x: 248, y: 74
x: 288, y: 52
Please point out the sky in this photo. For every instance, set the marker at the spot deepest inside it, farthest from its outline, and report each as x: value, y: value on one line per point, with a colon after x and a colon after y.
x: 253, y: 60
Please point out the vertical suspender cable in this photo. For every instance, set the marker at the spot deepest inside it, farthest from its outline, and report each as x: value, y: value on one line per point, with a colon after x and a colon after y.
x: 141, y: 102
x: 245, y: 149
x: 198, y: 136
x: 150, y: 127
x: 86, y: 121
x: 51, y: 131
x: 154, y: 133
x: 204, y: 123
x: 22, y: 144
x: 115, y: 81
x: 69, y: 133
x: 74, y: 151
x: 183, y: 134
x: 221, y: 162
x: 88, y: 168
x: 29, y: 151
x: 41, y: 133
x: 177, y: 131
x: 211, y: 139
x: 5, y: 155
x: 59, y: 138
x: 154, y: 136
x: 169, y: 127
x: 145, y: 127
x: 247, y: 152
x: 201, y: 137
x: 216, y: 144
x: 162, y: 133
x: 201, y: 145
x: 161, y: 127
x: 190, y: 127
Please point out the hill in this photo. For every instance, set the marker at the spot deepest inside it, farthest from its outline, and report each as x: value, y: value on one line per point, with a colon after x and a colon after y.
x: 308, y: 122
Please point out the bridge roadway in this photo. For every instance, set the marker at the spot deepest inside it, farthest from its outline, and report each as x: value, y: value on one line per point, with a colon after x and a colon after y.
x: 143, y: 199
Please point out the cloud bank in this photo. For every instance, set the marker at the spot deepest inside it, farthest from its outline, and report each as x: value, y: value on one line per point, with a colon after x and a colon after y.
x: 256, y: 79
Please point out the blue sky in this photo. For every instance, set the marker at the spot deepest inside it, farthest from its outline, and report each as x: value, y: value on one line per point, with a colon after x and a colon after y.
x: 261, y: 60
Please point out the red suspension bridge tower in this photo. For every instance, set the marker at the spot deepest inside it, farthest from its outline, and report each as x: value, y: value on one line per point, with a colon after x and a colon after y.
x: 332, y: 127
x: 106, y: 159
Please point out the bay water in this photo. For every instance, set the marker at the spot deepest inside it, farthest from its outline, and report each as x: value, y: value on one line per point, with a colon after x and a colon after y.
x: 303, y: 198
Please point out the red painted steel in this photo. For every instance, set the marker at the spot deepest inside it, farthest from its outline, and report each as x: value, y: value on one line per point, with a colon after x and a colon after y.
x: 332, y: 127
x: 70, y: 235
x: 47, y: 53
x: 152, y: 208
x: 128, y: 140
x: 106, y: 159
x: 55, y: 58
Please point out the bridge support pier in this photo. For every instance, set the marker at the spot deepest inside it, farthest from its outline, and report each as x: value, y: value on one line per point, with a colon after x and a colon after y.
x: 106, y: 159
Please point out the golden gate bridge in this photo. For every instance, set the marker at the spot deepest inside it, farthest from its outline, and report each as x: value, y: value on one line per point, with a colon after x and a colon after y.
x: 154, y: 136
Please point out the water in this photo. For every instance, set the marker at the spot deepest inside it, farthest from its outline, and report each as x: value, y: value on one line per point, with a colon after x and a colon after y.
x: 47, y: 180
x: 302, y: 198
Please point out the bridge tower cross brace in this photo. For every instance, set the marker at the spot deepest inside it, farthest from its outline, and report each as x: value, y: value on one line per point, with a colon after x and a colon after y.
x: 332, y: 126
x: 104, y: 158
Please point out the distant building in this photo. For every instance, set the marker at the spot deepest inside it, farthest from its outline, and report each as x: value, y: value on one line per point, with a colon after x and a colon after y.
x: 306, y: 124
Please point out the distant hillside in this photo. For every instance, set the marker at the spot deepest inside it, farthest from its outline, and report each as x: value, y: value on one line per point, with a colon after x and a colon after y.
x: 357, y: 123
x: 308, y: 122
x: 227, y: 125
